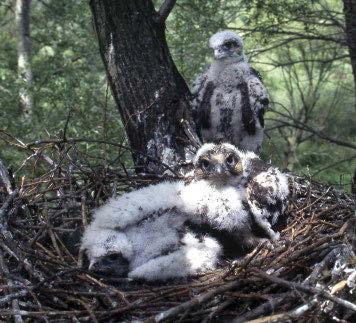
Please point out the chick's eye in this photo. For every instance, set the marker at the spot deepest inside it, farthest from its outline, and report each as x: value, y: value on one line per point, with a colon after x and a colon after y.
x: 230, y: 44
x: 205, y: 164
x: 231, y: 160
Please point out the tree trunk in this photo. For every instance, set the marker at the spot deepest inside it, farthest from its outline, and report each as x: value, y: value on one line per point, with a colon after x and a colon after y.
x: 350, y: 23
x: 151, y: 95
x: 22, y: 15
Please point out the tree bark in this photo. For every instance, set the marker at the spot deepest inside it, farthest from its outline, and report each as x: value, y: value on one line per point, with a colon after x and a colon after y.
x: 22, y: 16
x: 350, y: 24
x: 151, y: 95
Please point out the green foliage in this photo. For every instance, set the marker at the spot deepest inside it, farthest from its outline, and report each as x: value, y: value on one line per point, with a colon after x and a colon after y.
x: 189, y: 27
x: 296, y: 45
x: 69, y: 78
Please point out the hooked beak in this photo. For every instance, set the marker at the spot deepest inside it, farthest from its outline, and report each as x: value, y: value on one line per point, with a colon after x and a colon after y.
x: 219, y: 170
x: 218, y: 53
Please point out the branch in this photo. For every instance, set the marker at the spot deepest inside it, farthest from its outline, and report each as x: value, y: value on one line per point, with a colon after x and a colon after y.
x: 29, y: 146
x: 200, y: 299
x: 306, y: 289
x: 303, y: 126
x: 320, y: 134
x: 5, y: 208
x: 5, y: 90
x: 333, y: 164
x: 5, y: 178
x: 295, y: 313
x: 322, y: 61
x: 18, y: 143
x: 190, y: 133
x: 15, y: 302
x: 299, y: 35
x: 165, y: 10
x: 264, y: 308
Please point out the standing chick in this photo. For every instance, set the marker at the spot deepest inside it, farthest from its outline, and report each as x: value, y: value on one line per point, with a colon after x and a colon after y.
x: 229, y: 99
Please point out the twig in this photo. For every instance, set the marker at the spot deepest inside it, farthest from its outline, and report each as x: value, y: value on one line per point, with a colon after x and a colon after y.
x: 10, y: 297
x: 5, y: 178
x: 294, y: 314
x: 13, y: 297
x: 68, y: 313
x: 302, y: 126
x: 306, y: 289
x: 64, y: 132
x: 21, y: 145
x: 11, y: 247
x: 173, y: 312
x: 165, y: 9
x: 263, y: 308
x: 319, y: 267
x: 191, y: 134
x: 242, y: 264
x: 215, y: 311
x: 98, y: 141
x: 333, y: 164
x: 5, y: 208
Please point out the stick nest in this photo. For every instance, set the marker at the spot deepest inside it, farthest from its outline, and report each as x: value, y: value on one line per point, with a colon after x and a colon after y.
x: 310, y: 273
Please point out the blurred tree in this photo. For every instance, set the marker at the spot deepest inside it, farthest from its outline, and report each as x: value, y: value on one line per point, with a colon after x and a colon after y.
x: 22, y: 13
x: 70, y: 86
x: 330, y: 23
x: 306, y: 105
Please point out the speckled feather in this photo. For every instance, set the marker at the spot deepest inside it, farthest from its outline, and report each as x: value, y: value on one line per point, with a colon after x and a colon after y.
x: 180, y: 228
x: 229, y: 98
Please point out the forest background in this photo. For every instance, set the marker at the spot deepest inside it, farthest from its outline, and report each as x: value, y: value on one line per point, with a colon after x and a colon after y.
x: 301, y: 48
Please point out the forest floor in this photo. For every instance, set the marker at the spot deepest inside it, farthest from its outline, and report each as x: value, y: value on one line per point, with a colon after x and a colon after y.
x: 309, y: 274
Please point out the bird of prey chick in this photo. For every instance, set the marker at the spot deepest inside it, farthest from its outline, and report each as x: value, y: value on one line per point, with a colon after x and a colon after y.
x: 229, y: 99
x: 180, y: 228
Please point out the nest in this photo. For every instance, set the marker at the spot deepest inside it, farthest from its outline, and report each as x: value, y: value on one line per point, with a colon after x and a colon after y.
x: 308, y: 274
